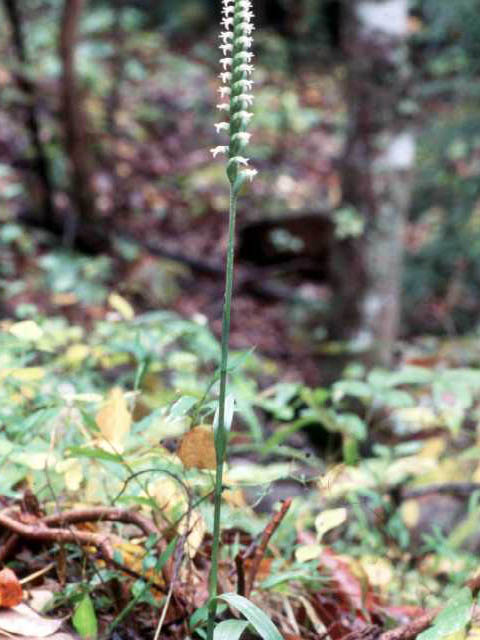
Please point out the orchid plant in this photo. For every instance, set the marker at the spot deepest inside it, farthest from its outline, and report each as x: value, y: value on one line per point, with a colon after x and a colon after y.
x: 235, y: 101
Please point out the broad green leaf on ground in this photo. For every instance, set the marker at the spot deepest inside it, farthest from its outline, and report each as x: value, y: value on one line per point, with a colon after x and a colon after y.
x: 454, y: 618
x: 230, y: 629
x: 85, y: 620
x: 256, y: 617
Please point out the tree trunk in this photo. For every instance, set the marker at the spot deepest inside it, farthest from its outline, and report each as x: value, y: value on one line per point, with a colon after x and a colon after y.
x: 44, y: 197
x: 377, y: 173
x: 76, y: 139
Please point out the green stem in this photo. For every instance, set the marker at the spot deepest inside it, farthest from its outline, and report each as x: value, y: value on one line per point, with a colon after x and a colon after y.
x: 221, y: 433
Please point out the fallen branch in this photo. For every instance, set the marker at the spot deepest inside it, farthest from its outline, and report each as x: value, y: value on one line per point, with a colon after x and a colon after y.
x: 259, y: 552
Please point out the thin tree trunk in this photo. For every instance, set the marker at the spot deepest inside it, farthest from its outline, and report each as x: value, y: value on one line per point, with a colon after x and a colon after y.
x: 377, y: 172
x: 41, y: 162
x: 76, y: 139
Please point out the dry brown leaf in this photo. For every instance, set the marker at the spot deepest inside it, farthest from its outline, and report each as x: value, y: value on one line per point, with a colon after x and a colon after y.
x: 114, y: 419
x: 197, y: 448
x: 10, y: 589
x: 24, y: 621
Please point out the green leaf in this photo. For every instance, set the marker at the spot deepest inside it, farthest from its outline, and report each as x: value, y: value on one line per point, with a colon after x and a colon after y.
x: 84, y: 619
x: 98, y: 454
x: 455, y: 617
x: 230, y: 630
x: 256, y: 617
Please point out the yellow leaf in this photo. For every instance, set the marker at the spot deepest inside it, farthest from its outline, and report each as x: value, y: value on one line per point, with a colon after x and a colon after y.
x: 26, y: 330
x: 73, y: 471
x: 114, y: 419
x: 195, y: 528
x: 378, y: 570
x: 307, y: 552
x: 27, y: 374
x: 410, y: 511
x: 122, y: 306
x: 329, y: 519
x: 76, y: 354
x: 197, y: 448
x: 37, y: 461
x: 167, y: 494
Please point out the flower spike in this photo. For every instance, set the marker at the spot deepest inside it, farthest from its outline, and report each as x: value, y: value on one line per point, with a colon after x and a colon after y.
x: 236, y: 42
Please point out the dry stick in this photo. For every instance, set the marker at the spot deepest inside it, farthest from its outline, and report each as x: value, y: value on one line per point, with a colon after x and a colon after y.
x: 412, y: 629
x: 268, y: 532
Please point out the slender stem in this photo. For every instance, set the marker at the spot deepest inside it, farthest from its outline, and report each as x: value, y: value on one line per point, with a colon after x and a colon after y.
x: 221, y: 433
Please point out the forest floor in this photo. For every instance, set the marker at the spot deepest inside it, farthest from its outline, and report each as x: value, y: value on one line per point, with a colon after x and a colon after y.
x: 351, y: 509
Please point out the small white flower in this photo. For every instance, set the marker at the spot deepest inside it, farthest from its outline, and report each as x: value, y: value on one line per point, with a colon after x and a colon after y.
x: 242, y: 135
x: 225, y: 76
x: 246, y: 68
x: 244, y: 97
x: 228, y: 9
x: 227, y: 22
x: 225, y: 48
x: 244, y: 55
x: 243, y: 115
x: 244, y: 84
x: 249, y: 173
x: 221, y: 126
x: 217, y: 150
x: 226, y: 62
x: 226, y: 35
x: 239, y: 160
x: 224, y: 91
x: 224, y: 106
x: 246, y: 41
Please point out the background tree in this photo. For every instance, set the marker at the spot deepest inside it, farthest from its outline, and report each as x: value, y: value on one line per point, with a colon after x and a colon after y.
x: 376, y: 173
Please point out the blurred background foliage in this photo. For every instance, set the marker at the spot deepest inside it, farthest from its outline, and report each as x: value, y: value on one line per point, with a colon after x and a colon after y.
x: 299, y: 99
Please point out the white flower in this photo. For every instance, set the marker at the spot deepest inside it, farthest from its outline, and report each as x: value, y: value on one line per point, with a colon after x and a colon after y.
x: 226, y: 62
x: 224, y: 106
x: 243, y: 115
x: 217, y: 150
x: 224, y: 91
x: 246, y: 68
x: 244, y: 84
x: 239, y: 160
x: 225, y: 48
x: 246, y: 41
x: 249, y: 173
x: 244, y: 97
x: 226, y: 35
x: 225, y: 76
x: 227, y: 22
x: 222, y: 126
x: 244, y: 55
x: 243, y: 136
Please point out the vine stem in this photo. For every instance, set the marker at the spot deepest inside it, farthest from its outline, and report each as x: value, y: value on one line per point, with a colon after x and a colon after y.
x: 221, y: 432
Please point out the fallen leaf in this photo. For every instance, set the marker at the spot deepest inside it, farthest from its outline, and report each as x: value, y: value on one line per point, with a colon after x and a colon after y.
x: 329, y: 519
x: 24, y: 621
x: 26, y: 330
x: 307, y: 552
x: 114, y: 420
x: 122, y: 306
x: 197, y: 448
x: 10, y: 589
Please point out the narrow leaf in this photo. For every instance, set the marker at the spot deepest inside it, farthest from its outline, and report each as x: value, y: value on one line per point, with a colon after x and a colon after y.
x: 230, y: 630
x: 257, y: 618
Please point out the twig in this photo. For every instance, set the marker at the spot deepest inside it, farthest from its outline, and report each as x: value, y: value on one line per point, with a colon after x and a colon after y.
x: 9, y: 547
x: 265, y: 539
x: 410, y: 630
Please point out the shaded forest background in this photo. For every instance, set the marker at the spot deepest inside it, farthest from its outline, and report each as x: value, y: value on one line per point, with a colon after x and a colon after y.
x: 107, y: 117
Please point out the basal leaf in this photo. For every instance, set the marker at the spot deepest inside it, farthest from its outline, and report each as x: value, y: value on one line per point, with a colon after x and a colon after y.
x: 255, y: 616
